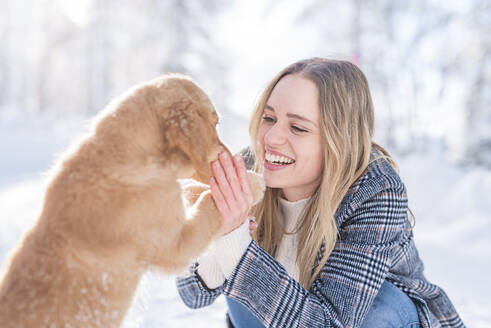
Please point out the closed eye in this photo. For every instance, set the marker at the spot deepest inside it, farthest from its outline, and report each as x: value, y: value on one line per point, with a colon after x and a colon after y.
x: 296, y: 128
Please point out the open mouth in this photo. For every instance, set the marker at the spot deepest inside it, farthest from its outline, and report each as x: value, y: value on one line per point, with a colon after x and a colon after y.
x: 278, y: 160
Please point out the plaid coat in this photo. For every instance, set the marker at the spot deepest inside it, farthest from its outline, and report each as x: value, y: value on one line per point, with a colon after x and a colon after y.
x: 376, y: 243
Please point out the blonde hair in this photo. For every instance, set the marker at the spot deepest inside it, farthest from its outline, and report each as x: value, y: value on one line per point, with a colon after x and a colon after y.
x: 347, y: 122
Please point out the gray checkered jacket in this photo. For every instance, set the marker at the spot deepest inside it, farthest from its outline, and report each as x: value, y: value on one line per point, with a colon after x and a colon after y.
x: 375, y: 243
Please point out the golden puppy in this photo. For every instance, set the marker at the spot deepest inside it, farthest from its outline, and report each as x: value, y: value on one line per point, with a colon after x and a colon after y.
x: 114, y: 208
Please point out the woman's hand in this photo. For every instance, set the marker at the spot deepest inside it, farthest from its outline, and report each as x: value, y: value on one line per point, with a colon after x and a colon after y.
x: 231, y: 191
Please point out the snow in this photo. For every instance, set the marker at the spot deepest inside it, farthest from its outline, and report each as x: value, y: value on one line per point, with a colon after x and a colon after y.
x: 451, y: 205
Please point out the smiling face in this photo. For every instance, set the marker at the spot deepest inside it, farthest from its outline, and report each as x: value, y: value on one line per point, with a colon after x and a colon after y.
x: 290, y: 138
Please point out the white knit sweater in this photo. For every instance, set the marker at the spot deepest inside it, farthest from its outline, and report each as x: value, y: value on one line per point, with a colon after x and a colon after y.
x: 218, y: 263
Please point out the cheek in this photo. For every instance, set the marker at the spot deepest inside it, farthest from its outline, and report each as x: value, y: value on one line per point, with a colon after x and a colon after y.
x: 319, y: 162
x: 313, y: 156
x: 318, y: 166
x: 260, y: 134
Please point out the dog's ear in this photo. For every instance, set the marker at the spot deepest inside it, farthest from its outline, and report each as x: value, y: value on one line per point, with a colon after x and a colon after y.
x: 185, y: 129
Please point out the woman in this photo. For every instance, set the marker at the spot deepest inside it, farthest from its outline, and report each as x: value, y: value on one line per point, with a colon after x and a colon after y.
x: 333, y: 246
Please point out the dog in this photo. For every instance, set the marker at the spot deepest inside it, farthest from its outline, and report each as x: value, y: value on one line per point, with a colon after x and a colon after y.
x: 114, y: 208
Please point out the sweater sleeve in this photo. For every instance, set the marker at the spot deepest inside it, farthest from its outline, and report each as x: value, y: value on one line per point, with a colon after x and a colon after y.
x: 203, y: 283
x: 344, y: 290
x: 223, y: 257
x: 209, y: 271
x: 228, y: 249
x: 193, y: 290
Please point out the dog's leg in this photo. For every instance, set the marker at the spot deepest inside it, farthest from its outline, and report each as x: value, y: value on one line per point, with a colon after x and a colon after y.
x: 205, y: 220
x: 202, y: 225
x: 192, y: 192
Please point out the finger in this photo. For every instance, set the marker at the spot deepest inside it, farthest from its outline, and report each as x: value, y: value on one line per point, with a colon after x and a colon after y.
x: 217, y: 195
x: 223, y: 184
x: 231, y: 175
x: 242, y: 173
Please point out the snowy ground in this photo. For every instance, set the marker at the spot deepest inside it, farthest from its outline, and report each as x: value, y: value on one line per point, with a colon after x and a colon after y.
x: 452, y: 207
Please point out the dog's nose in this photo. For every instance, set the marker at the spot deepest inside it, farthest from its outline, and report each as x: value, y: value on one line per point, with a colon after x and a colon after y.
x: 220, y: 148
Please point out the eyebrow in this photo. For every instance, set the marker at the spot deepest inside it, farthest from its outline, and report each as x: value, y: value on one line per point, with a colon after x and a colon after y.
x: 291, y: 115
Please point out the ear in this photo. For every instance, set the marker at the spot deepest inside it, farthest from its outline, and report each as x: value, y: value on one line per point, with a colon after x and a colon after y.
x: 184, y: 129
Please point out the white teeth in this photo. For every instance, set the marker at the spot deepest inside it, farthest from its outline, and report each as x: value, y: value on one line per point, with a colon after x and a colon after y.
x: 279, y: 159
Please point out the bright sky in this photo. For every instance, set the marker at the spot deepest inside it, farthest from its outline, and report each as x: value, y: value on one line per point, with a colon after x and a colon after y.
x: 76, y: 10
x: 266, y: 39
x: 264, y: 36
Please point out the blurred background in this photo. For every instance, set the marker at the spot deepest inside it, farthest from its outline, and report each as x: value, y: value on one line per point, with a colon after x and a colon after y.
x: 428, y: 64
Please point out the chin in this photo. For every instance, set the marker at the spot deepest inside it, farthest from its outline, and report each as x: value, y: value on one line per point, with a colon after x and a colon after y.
x: 272, y: 183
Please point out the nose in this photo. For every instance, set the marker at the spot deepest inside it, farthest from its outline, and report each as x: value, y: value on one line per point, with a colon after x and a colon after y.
x: 275, y: 135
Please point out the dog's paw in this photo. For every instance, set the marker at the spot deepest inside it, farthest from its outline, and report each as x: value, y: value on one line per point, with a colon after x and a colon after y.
x: 258, y: 185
